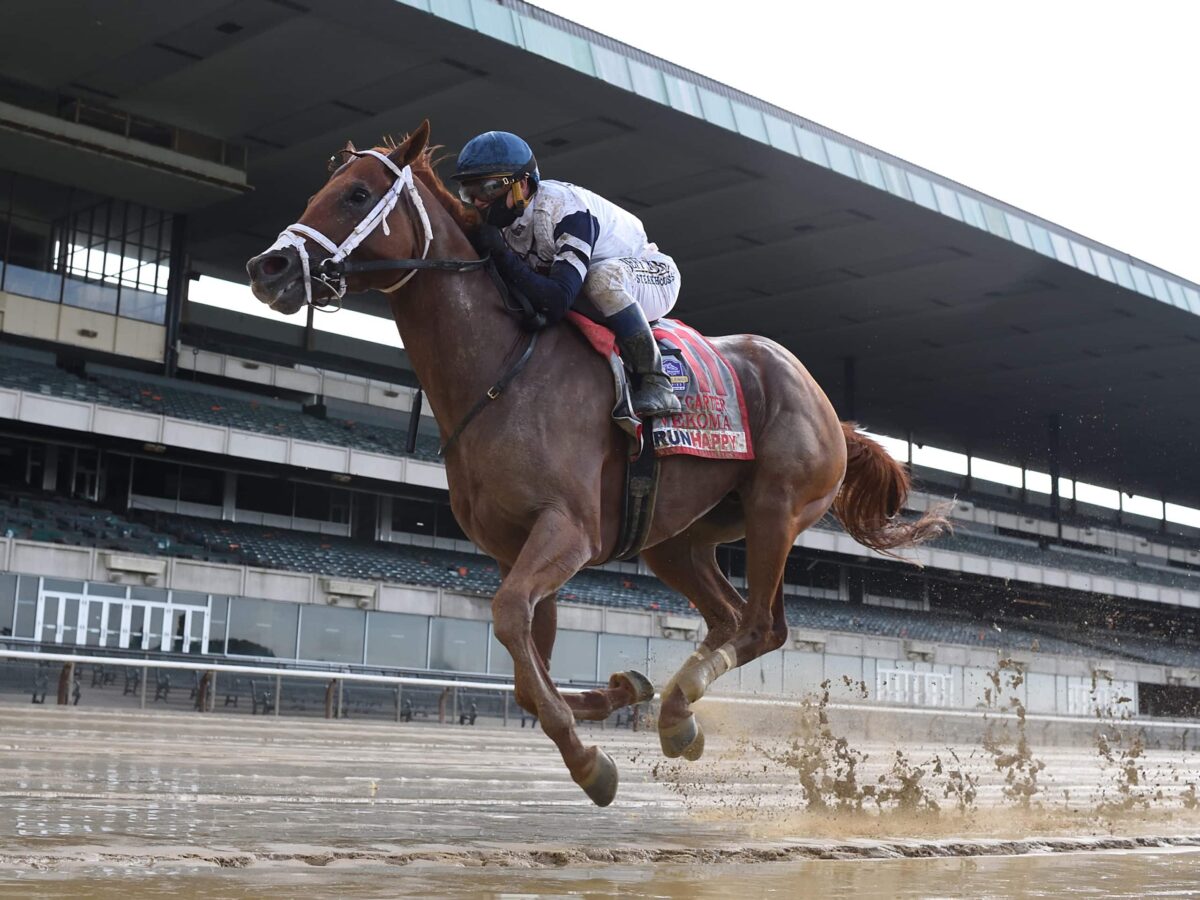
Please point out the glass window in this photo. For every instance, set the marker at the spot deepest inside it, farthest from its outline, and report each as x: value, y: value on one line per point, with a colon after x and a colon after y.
x: 750, y: 122
x: 158, y: 595
x: 458, y: 645
x: 994, y: 221
x: 8, y: 603
x: 812, y: 148
x: 399, y: 640
x: 894, y: 180
x: 107, y: 590
x: 947, y: 201
x: 619, y: 652
x: 574, y: 656
x: 869, y: 169
x: 1193, y: 299
x: 455, y: 10
x: 682, y: 95
x: 1018, y: 230
x: 840, y: 158
x: 268, y: 495
x: 972, y: 211
x: 414, y: 516
x: 1062, y: 248
x: 499, y: 660
x: 781, y: 136
x: 922, y: 190
x: 717, y: 109
x: 27, y: 595
x: 1037, y: 481
x: 1141, y: 281
x: 153, y: 478
x: 1083, y: 257
x: 262, y: 628
x: 89, y: 295
x: 647, y: 81
x: 494, y: 20
x: 198, y: 485
x: 1124, y: 274
x: 1158, y: 285
x: 218, y: 618
x: 1103, y: 266
x: 1175, y: 290
x: 1041, y: 240
x: 331, y: 634
x: 1142, y: 506
x: 612, y: 67
x: 548, y: 41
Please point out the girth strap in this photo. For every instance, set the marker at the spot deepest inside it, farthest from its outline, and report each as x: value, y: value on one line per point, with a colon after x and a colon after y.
x: 641, y: 491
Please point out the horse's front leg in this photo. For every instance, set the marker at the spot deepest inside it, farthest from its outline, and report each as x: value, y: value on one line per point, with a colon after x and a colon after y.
x: 624, y: 688
x: 555, y: 550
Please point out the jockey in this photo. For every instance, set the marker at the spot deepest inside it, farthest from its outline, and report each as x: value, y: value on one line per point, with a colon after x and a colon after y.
x: 558, y: 243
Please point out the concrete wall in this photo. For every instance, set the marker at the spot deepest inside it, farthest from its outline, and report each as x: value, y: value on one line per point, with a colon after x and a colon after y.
x: 595, y: 638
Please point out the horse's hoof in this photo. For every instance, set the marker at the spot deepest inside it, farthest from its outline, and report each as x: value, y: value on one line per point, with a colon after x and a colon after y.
x: 600, y: 782
x: 637, y: 683
x: 695, y: 749
x: 683, y: 739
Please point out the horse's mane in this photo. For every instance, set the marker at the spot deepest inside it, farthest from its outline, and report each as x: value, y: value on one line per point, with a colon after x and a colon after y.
x: 425, y: 168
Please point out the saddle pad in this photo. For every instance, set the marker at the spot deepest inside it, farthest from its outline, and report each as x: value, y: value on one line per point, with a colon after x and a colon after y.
x: 713, y: 422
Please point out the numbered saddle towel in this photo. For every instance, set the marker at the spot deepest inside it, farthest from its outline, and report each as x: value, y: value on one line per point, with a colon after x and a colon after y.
x: 713, y: 421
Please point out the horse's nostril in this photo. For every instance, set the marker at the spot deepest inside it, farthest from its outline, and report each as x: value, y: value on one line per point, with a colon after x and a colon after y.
x: 273, y: 265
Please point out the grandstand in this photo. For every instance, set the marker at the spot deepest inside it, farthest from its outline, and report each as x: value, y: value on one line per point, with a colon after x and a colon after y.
x: 184, y: 481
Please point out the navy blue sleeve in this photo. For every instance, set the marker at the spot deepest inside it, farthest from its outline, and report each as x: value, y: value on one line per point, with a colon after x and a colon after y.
x: 551, y: 294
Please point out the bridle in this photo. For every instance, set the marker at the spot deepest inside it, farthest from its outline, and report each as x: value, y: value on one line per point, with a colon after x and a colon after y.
x: 331, y: 271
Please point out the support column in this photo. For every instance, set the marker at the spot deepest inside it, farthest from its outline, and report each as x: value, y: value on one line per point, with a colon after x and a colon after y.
x: 177, y: 289
x: 1053, y: 436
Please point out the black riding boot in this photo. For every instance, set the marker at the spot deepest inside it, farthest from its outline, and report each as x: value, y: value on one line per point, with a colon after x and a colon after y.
x: 652, y: 396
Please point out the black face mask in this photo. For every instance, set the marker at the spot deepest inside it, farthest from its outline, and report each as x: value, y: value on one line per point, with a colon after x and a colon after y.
x: 500, y: 214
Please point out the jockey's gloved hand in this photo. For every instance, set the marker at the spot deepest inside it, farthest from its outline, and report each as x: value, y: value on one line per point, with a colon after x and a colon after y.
x: 488, y: 240
x: 551, y: 294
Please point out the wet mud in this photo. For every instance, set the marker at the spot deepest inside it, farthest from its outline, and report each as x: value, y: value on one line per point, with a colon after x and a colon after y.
x: 96, y: 800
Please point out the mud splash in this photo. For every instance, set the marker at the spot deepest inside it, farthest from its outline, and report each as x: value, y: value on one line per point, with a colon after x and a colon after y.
x: 829, y: 784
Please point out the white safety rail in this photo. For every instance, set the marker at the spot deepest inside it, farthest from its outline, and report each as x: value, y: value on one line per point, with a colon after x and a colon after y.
x: 507, y: 688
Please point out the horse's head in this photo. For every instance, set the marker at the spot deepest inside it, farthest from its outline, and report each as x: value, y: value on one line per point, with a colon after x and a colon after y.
x: 348, y: 215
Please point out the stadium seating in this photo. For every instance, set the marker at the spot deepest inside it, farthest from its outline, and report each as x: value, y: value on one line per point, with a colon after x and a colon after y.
x: 187, y: 400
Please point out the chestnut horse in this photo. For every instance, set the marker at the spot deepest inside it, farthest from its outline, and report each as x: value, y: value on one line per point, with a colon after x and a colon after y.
x: 537, y: 479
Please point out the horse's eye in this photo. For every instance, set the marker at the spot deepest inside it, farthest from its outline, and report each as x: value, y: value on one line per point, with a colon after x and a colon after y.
x: 359, y: 195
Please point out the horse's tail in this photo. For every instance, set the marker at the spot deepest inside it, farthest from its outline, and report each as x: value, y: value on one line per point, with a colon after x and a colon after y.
x: 873, y: 494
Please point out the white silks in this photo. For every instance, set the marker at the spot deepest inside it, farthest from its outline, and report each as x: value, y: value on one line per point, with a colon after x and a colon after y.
x: 297, y: 233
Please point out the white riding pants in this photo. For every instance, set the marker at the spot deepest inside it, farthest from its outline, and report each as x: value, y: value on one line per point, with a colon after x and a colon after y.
x: 650, y: 280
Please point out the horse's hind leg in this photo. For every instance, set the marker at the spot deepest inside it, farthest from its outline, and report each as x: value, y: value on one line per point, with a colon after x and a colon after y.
x: 624, y: 688
x: 555, y: 550
x: 688, y: 563
x: 773, y: 520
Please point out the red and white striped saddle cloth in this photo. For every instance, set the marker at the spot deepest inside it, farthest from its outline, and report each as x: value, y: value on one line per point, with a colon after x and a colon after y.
x: 713, y: 423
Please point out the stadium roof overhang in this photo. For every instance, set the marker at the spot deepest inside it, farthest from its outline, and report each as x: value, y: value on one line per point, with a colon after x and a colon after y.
x: 958, y: 319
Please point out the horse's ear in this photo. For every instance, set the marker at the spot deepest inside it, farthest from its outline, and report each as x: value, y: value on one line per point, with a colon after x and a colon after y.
x: 335, y: 161
x: 412, y: 146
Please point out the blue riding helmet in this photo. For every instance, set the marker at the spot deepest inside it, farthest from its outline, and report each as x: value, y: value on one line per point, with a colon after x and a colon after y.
x: 496, y: 153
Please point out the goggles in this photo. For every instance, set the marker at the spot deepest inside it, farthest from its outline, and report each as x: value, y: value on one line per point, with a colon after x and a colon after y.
x: 485, y: 190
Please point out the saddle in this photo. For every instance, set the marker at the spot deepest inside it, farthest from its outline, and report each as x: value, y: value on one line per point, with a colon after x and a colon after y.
x: 712, y: 424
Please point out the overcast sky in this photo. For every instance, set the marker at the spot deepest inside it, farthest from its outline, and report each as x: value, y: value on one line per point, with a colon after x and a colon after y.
x: 1082, y: 113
